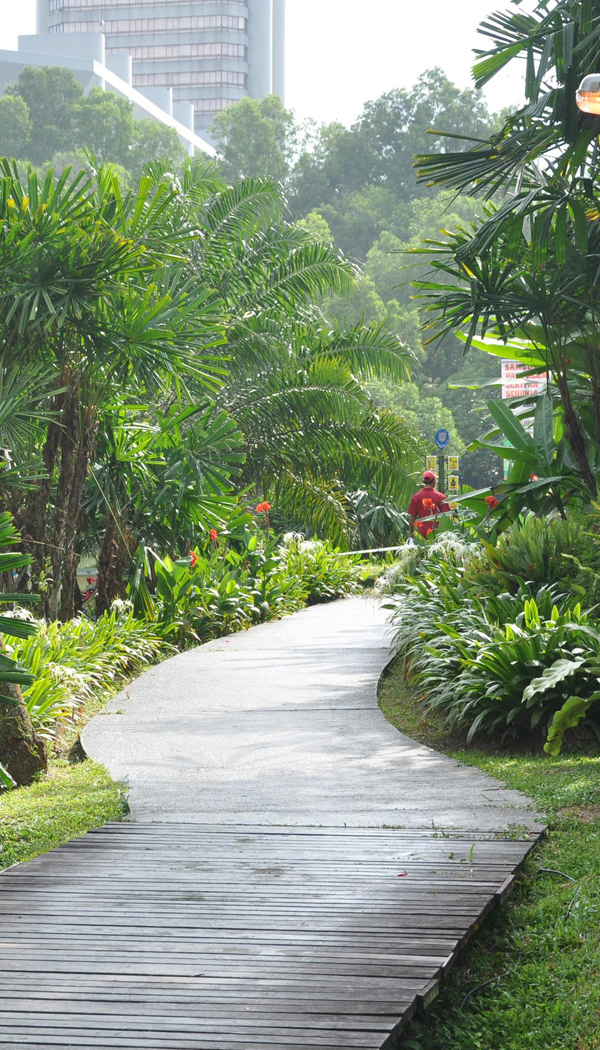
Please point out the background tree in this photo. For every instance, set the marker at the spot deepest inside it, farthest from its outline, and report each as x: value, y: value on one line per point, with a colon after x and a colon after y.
x: 59, y: 133
x: 255, y: 137
x: 15, y: 126
x: 106, y: 126
x: 52, y: 95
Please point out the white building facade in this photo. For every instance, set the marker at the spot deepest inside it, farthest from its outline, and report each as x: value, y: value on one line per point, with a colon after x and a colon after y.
x: 207, y: 53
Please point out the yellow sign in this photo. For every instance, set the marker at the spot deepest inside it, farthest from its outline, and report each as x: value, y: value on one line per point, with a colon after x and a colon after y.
x: 453, y: 483
x: 453, y: 463
x: 453, y: 506
x: 431, y: 463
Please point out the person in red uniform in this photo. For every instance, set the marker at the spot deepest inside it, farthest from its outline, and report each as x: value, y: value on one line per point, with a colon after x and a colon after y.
x: 425, y: 503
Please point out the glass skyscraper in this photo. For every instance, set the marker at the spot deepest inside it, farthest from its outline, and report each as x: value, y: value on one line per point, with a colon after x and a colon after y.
x: 209, y: 52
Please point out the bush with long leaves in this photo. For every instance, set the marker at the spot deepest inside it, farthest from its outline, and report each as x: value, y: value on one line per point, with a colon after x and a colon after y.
x: 72, y: 663
x: 490, y: 650
x: 15, y: 725
x: 219, y: 591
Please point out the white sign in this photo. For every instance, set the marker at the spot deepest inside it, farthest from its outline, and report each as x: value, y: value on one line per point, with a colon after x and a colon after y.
x: 513, y: 386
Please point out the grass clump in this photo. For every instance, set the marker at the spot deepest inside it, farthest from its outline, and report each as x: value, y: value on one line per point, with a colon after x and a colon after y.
x: 541, y: 952
x: 65, y: 802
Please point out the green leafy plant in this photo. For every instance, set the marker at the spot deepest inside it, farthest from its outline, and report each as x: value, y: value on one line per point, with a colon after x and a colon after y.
x: 69, y: 664
x: 13, y: 675
x: 531, y: 551
x: 225, y: 588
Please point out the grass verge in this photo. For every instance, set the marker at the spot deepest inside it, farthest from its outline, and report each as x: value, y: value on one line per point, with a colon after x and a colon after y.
x: 65, y: 802
x: 541, y: 952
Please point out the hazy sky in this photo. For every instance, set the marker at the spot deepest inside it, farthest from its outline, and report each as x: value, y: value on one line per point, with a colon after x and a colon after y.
x: 340, y: 53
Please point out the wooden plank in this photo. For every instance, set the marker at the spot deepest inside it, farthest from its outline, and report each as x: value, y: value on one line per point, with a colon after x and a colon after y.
x: 187, y: 937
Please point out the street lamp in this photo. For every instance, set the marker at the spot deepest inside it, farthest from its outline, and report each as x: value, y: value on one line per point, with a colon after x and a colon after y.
x: 588, y: 94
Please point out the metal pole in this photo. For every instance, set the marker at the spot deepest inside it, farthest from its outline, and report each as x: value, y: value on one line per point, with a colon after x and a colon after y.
x: 442, y: 471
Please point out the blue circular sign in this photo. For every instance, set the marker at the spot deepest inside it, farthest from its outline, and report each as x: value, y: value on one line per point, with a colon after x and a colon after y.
x: 442, y: 438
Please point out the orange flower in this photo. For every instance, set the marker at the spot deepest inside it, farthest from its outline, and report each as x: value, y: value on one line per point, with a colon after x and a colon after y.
x: 429, y: 505
x: 263, y: 508
x: 214, y: 535
x: 492, y: 502
x: 193, y: 559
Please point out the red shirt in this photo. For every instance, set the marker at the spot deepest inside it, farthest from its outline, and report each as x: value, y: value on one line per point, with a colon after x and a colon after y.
x: 417, y: 510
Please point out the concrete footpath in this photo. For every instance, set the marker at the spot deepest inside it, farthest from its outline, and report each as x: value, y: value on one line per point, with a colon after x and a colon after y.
x: 281, y: 725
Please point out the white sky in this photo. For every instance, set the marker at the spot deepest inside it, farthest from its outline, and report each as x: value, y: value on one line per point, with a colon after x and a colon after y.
x: 341, y: 53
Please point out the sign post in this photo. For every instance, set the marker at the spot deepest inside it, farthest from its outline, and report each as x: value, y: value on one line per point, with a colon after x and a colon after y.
x: 442, y: 440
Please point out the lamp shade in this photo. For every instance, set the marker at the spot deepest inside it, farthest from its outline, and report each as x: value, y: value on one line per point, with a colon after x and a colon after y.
x: 588, y: 94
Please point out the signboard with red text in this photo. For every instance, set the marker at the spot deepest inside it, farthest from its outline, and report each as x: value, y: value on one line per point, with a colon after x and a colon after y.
x: 513, y: 386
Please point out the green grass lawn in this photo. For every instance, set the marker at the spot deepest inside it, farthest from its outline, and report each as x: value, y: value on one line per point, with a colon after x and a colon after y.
x: 67, y: 801
x: 541, y: 951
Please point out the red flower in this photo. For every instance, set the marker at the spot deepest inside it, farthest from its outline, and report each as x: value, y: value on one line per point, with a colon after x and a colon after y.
x: 214, y: 535
x: 534, y: 477
x: 492, y: 502
x: 429, y: 505
x: 263, y: 508
x: 193, y: 559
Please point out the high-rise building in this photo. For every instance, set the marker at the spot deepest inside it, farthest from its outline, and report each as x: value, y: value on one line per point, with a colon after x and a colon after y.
x: 210, y: 52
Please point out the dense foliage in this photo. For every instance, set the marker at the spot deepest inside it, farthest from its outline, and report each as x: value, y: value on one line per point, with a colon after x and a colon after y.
x: 494, y: 638
x: 46, y: 118
x: 166, y: 364
x: 523, y: 281
x: 356, y: 187
x: 66, y: 669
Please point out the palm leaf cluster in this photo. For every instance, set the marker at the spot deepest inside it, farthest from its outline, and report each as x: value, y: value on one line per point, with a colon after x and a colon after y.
x: 528, y: 272
x: 164, y: 355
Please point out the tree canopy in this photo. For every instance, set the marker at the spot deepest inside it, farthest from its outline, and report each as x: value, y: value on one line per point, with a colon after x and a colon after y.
x: 46, y: 114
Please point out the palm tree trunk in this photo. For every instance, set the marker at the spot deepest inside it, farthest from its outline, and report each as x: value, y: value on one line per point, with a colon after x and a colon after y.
x: 76, y: 443
x: 575, y: 435
x: 22, y: 752
x: 112, y: 563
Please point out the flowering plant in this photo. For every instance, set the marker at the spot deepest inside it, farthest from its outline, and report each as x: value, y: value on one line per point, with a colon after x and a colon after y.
x: 263, y: 508
x: 492, y: 502
x: 193, y: 559
x: 214, y: 535
x: 429, y: 505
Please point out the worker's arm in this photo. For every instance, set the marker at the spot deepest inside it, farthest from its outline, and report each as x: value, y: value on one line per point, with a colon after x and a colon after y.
x: 411, y: 529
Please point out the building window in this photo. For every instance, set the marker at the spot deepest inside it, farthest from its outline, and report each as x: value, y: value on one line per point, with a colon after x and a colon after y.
x: 83, y: 5
x: 211, y: 105
x: 175, y: 25
x: 154, y: 25
x: 187, y: 78
x: 164, y: 51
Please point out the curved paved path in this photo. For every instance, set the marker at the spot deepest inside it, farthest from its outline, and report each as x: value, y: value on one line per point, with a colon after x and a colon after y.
x: 208, y: 923
x: 280, y: 725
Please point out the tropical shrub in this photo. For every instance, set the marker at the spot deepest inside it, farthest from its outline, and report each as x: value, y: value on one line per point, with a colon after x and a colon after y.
x: 490, y: 660
x: 450, y: 549
x: 322, y: 572
x: 222, y: 590
x: 532, y: 673
x: 532, y: 550
x: 76, y: 661
x: 21, y: 752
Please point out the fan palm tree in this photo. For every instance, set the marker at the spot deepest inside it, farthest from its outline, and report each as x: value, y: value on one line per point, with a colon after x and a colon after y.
x: 529, y: 270
x: 95, y: 287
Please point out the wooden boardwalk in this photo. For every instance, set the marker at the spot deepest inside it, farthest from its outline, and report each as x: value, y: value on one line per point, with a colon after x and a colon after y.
x: 191, y: 937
